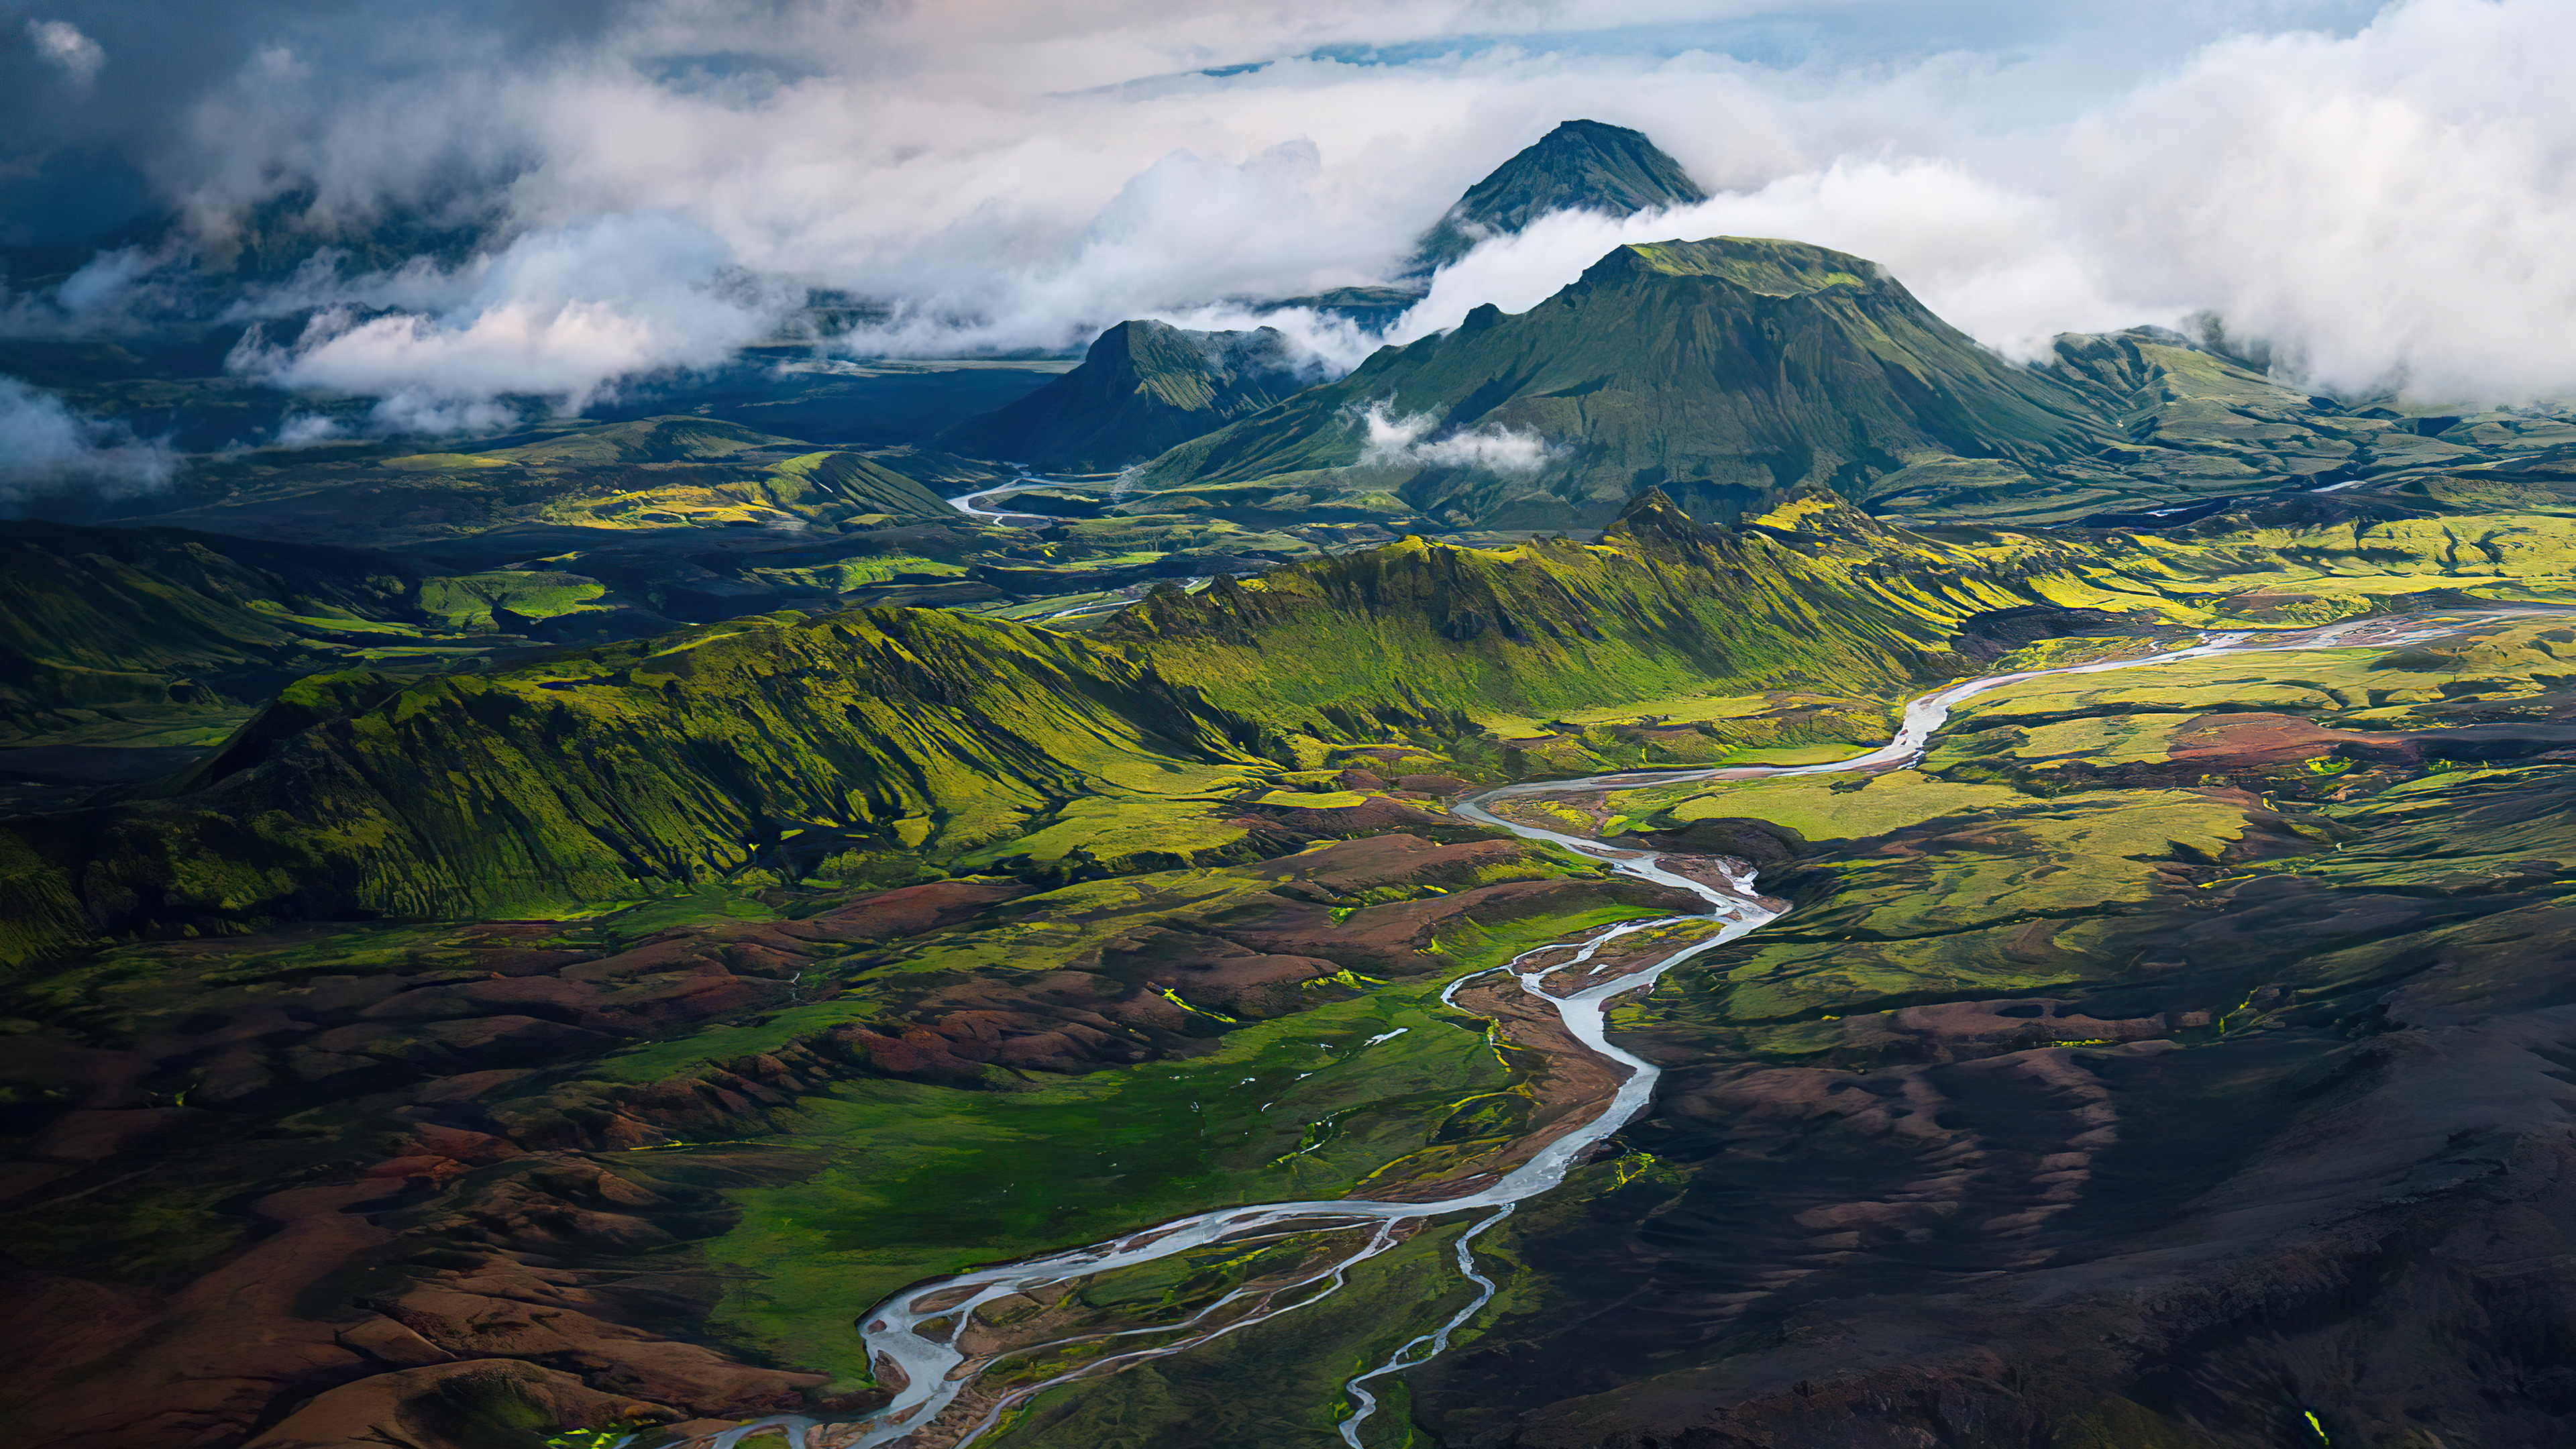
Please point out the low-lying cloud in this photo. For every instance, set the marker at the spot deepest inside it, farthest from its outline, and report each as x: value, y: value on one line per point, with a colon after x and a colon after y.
x: 2379, y: 195
x: 2384, y: 212
x: 1404, y: 440
x: 47, y: 449
x: 561, y: 315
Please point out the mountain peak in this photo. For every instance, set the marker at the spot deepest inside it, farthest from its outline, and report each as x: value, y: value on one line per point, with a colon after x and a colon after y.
x: 1579, y: 166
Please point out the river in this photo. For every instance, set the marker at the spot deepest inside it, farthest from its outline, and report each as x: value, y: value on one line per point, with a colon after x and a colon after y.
x: 915, y: 1337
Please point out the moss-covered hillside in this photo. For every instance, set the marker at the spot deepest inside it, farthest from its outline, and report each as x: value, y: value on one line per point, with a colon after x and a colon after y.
x: 886, y: 741
x: 1725, y: 372
x: 1142, y: 388
x: 118, y: 634
x: 765, y: 745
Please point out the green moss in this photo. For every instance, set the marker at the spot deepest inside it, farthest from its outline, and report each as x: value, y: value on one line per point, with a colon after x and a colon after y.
x: 928, y: 1180
x: 476, y: 601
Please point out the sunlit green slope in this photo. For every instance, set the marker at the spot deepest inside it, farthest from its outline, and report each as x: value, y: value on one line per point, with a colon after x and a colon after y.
x: 1725, y: 372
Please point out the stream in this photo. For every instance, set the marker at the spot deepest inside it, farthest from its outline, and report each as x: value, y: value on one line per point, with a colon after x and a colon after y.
x: 914, y: 1337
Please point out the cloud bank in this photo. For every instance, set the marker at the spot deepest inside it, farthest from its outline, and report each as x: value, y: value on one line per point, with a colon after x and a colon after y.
x: 2379, y: 194
x: 46, y: 448
x: 560, y: 314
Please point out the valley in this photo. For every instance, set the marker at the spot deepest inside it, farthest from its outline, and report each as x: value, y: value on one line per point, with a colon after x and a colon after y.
x: 1707, y: 863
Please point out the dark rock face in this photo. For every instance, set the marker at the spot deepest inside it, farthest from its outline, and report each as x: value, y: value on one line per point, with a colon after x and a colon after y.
x: 1142, y: 388
x: 1998, y: 632
x: 1579, y: 166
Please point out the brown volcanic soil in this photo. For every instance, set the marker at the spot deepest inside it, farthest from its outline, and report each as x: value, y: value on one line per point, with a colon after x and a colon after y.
x: 2308, y: 1150
x: 397, y: 1208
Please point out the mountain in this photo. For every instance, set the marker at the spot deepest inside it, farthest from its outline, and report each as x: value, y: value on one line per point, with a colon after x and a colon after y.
x: 1726, y: 372
x: 588, y: 775
x: 1579, y: 166
x: 754, y: 751
x: 1142, y: 388
x: 153, y: 622
x: 755, y: 748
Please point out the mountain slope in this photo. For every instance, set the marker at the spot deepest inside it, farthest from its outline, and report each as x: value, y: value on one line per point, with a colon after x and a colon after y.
x: 755, y: 750
x: 1579, y: 166
x: 121, y: 618
x: 593, y: 775
x: 882, y: 742
x: 1725, y: 372
x: 1142, y: 388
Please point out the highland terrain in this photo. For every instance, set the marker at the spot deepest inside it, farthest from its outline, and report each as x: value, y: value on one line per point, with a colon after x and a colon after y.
x: 534, y: 940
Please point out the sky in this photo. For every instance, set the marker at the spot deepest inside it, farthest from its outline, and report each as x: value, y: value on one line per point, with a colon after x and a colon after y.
x: 2381, y: 196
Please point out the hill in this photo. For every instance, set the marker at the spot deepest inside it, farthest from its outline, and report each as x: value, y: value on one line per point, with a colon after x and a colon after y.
x: 123, y: 634
x: 1579, y: 166
x: 756, y: 749
x: 593, y: 774
x: 1725, y: 372
x: 1142, y: 388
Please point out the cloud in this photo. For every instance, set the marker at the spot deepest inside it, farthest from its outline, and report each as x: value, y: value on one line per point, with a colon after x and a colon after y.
x: 2377, y: 193
x: 1402, y: 440
x: 119, y: 292
x: 1999, y: 264
x: 60, y: 44
x: 561, y: 315
x: 46, y: 448
x: 299, y: 430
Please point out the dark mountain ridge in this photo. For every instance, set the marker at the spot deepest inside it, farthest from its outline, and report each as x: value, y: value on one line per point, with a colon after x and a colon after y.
x: 1143, y: 387
x: 1579, y: 166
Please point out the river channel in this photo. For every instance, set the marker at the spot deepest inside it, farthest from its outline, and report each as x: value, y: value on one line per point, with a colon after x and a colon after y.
x: 919, y: 1338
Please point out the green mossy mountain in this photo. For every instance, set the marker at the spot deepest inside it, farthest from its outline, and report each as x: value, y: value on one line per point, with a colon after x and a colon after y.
x: 1579, y: 166
x: 604, y: 774
x: 898, y: 739
x: 1421, y: 631
x: 1141, y: 389
x: 93, y: 617
x: 1726, y: 372
x: 752, y: 751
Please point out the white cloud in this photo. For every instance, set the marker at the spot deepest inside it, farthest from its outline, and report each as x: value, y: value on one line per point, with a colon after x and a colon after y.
x: 560, y: 314
x: 1999, y: 264
x: 46, y: 448
x: 124, y: 291
x: 60, y: 44
x: 1402, y: 440
x: 298, y: 430
x: 2385, y: 200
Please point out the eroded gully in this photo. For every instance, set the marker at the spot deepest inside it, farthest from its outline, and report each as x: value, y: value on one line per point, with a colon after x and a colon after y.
x: 916, y: 1339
